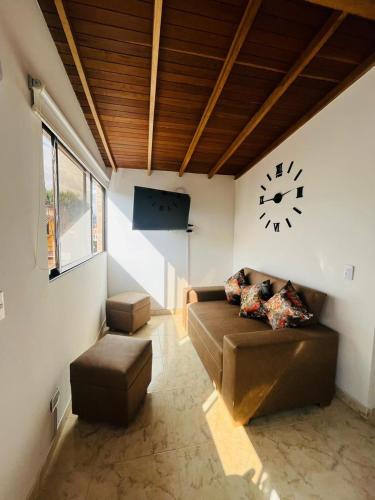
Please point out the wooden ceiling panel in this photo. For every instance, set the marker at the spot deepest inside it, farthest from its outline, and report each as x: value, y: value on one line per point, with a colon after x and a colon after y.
x: 198, y: 74
x: 108, y: 17
x: 208, y: 9
x: 283, y: 114
x: 114, y: 39
x: 175, y: 15
x: 142, y: 10
x: 296, y: 11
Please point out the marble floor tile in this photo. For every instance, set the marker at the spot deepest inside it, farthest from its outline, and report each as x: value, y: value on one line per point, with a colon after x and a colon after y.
x: 77, y: 446
x: 203, y: 477
x: 71, y: 484
x: 153, y: 431
x: 155, y: 477
x: 184, y: 445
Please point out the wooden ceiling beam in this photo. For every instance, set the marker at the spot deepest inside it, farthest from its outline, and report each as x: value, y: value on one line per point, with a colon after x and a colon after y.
x: 158, y: 6
x: 359, y: 71
x: 304, y: 59
x: 238, y: 40
x: 362, y: 8
x: 82, y: 76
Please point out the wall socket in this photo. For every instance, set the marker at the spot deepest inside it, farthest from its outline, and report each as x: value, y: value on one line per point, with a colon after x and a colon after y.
x: 2, y: 305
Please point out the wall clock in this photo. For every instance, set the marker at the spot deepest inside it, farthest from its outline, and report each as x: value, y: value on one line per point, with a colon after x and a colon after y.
x: 281, y: 197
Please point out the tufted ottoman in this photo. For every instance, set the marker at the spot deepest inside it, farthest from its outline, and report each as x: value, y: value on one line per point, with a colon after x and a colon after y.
x: 109, y: 381
x: 128, y: 311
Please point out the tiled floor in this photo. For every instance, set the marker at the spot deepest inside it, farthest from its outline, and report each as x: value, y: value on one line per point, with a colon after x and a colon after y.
x: 183, y: 444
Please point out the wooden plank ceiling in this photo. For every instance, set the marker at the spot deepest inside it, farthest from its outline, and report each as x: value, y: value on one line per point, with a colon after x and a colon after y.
x: 219, y: 67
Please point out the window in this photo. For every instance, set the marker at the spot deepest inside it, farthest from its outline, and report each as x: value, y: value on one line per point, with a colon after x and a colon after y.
x: 74, y: 203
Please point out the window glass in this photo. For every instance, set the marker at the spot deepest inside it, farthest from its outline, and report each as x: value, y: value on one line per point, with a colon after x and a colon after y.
x: 97, y: 217
x: 74, y: 204
x: 74, y: 211
x: 49, y: 182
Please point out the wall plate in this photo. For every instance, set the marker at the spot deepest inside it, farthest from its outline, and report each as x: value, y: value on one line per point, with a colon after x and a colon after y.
x: 348, y: 272
x: 2, y: 305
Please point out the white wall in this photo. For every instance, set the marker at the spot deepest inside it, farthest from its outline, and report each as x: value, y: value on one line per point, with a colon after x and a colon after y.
x: 47, y: 324
x: 155, y: 261
x: 336, y: 151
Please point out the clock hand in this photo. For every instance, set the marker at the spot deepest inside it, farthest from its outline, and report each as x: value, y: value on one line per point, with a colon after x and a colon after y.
x: 286, y: 192
x: 278, y: 197
x: 270, y: 199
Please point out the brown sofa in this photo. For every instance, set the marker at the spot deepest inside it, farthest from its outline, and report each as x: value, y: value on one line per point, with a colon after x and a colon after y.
x: 257, y: 370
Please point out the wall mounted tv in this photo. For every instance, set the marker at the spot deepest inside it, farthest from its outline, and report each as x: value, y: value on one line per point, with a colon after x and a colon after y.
x: 154, y: 209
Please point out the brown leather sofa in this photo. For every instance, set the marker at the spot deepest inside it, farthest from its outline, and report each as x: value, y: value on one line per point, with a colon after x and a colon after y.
x: 257, y: 370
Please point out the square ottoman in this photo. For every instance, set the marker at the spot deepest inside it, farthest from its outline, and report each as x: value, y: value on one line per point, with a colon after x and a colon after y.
x: 109, y: 380
x: 128, y: 311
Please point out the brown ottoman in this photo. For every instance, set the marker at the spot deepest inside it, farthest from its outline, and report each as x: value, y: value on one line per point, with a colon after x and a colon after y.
x: 109, y: 381
x: 128, y: 311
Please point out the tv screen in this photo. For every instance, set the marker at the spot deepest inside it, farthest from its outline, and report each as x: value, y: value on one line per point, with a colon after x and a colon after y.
x: 154, y: 209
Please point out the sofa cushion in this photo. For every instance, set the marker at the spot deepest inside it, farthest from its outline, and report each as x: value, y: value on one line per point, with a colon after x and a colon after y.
x: 215, y: 319
x: 282, y: 312
x: 252, y: 302
x: 313, y: 299
x: 233, y: 287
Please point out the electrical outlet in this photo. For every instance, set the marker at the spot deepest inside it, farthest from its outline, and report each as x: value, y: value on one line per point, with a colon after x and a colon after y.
x: 348, y: 272
x: 2, y: 306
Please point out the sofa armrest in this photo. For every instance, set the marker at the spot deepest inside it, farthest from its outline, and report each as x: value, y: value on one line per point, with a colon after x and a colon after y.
x: 205, y: 293
x: 201, y: 294
x: 270, y: 370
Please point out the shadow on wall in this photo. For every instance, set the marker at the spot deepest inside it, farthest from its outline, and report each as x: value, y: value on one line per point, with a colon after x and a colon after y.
x: 149, y: 261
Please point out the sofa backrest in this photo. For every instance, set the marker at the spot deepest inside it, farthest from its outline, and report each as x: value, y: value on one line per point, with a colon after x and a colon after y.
x: 312, y: 298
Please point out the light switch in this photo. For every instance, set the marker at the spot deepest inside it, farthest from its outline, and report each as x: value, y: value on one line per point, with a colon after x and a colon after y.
x: 348, y: 272
x: 2, y: 305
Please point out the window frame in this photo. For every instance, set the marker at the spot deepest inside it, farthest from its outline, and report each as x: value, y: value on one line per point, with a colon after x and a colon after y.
x: 56, y: 142
x: 103, y: 215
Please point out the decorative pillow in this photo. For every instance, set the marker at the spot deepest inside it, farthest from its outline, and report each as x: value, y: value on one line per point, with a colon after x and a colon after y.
x: 282, y: 312
x: 233, y: 287
x: 266, y: 290
x: 252, y: 302
x: 292, y: 295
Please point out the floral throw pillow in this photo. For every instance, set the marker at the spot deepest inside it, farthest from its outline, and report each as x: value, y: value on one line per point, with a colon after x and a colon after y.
x: 266, y: 289
x: 282, y: 312
x: 292, y: 295
x: 252, y: 302
x: 233, y: 287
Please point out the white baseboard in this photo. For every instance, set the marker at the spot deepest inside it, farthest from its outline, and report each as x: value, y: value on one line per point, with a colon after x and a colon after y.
x: 367, y: 413
x: 102, y: 328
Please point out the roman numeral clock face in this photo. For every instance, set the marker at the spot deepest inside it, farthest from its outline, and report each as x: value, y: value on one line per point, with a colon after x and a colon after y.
x: 280, y: 201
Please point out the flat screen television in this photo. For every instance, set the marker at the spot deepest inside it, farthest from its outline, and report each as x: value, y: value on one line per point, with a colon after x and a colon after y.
x: 155, y: 209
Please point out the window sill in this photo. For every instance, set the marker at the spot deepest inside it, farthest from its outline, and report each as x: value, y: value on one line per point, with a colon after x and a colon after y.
x: 76, y: 266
